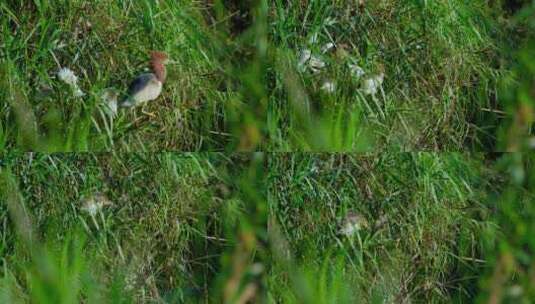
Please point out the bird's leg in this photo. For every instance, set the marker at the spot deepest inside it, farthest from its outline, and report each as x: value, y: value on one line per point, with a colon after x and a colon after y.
x: 136, y: 118
x: 147, y: 113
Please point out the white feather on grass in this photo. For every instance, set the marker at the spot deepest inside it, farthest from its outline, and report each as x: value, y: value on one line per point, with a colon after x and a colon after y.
x: 67, y: 75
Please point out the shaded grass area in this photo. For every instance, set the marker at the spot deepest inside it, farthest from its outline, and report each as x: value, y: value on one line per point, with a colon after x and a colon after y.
x: 441, y: 60
x: 427, y: 216
x: 213, y: 91
x: 180, y: 228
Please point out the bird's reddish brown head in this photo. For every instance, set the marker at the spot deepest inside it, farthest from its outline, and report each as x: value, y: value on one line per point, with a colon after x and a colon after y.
x: 157, y: 56
x: 158, y: 60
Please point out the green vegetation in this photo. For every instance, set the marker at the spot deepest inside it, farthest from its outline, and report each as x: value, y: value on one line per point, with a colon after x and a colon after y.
x: 191, y: 227
x: 383, y: 176
x: 441, y: 61
x: 180, y: 228
x: 211, y: 96
x: 426, y: 217
x: 441, y: 228
x: 240, y: 77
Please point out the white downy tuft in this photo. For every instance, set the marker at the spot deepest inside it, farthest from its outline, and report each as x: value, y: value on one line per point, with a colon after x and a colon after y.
x: 372, y: 85
x: 327, y: 47
x: 95, y: 203
x: 349, y: 229
x: 328, y: 86
x: 309, y: 61
x: 352, y: 223
x: 109, y: 98
x: 67, y: 75
x: 356, y: 71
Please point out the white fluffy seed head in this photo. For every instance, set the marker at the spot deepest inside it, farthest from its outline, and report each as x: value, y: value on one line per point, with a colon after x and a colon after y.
x: 356, y: 71
x: 67, y: 75
x: 95, y: 203
x: 349, y: 229
x: 372, y: 85
x: 327, y: 47
x: 328, y: 86
x: 352, y: 223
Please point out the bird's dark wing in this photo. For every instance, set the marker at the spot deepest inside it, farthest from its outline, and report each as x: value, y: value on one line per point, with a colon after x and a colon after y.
x: 140, y: 83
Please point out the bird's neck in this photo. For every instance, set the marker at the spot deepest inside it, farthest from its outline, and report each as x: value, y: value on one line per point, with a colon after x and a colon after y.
x: 159, y: 70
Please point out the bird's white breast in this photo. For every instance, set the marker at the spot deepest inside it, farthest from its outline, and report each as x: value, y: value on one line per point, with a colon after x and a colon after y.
x: 150, y: 92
